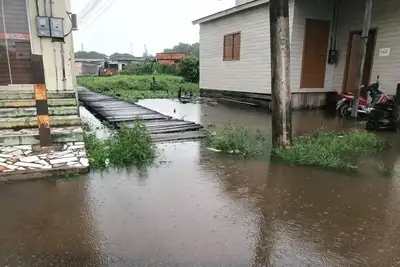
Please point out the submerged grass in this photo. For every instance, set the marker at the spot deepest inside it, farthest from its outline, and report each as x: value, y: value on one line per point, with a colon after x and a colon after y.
x: 328, y: 150
x: 128, y: 146
x: 136, y: 87
x: 236, y: 139
x: 337, y: 151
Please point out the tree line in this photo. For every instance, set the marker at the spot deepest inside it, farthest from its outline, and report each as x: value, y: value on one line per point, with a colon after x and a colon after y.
x: 191, y: 49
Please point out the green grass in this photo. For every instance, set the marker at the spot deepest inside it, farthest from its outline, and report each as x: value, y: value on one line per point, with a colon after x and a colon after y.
x: 237, y: 140
x: 134, y: 88
x: 128, y: 146
x: 328, y: 150
x: 337, y: 151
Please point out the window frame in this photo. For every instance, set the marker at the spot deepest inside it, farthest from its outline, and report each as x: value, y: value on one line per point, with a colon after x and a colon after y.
x: 231, y: 56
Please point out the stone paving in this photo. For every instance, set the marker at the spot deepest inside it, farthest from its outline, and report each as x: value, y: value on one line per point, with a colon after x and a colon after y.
x: 24, y: 158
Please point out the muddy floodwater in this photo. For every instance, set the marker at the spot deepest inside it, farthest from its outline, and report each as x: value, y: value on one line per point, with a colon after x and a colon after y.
x: 197, y: 208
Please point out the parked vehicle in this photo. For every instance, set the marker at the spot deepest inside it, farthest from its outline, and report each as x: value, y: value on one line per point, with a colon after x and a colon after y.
x: 346, y: 100
x: 381, y: 117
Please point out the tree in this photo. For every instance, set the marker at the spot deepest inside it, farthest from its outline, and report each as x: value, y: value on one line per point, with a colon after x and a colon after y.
x: 189, y: 69
x: 116, y: 56
x: 192, y: 49
x: 90, y: 55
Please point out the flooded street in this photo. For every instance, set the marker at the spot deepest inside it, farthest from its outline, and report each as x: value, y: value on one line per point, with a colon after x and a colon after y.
x: 198, y: 208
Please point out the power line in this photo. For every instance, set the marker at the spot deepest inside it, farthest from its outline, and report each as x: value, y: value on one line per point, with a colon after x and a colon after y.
x: 111, y: 3
x: 92, y: 9
x: 85, y: 8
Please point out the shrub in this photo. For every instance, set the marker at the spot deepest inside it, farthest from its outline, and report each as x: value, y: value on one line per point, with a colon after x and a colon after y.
x: 132, y: 88
x: 148, y: 68
x: 124, y: 147
x: 144, y: 68
x: 189, y: 69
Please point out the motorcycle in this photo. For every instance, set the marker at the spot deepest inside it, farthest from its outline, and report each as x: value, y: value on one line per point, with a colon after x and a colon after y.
x: 381, y: 117
x: 346, y: 100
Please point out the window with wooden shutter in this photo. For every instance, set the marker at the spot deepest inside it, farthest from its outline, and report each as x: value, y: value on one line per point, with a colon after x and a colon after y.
x: 228, y: 47
x: 15, y: 46
x: 232, y: 47
x: 236, y: 46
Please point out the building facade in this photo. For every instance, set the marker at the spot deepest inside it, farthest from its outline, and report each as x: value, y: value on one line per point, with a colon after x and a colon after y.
x: 317, y: 27
x: 38, y: 99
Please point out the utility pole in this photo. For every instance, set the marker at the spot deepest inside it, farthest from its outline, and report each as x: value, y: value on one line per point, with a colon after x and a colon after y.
x: 82, y: 46
x: 280, y: 73
x: 131, y: 49
x: 361, y: 59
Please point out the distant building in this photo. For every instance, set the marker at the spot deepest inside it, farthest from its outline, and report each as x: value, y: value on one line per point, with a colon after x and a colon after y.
x: 170, y: 58
x: 86, y: 69
x: 124, y: 61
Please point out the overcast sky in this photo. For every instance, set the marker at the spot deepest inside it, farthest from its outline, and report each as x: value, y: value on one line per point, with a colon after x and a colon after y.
x: 157, y: 23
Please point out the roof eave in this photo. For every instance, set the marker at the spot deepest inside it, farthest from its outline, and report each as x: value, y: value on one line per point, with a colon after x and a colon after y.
x: 230, y: 11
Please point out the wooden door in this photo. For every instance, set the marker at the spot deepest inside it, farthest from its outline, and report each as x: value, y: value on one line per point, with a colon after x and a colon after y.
x: 315, y: 51
x: 353, y: 55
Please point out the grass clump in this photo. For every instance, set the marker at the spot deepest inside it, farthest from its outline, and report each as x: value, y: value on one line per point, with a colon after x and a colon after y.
x: 337, y: 151
x: 134, y: 88
x: 124, y: 147
x: 236, y: 139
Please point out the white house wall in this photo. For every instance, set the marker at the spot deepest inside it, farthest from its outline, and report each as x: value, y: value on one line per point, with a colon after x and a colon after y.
x: 51, y: 51
x: 386, y: 18
x: 241, y: 2
x: 252, y: 72
x: 313, y: 9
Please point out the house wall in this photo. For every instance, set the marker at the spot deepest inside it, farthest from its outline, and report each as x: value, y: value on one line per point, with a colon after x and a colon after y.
x: 386, y: 18
x: 241, y: 2
x: 52, y: 51
x: 54, y: 110
x: 252, y: 72
x: 78, y: 68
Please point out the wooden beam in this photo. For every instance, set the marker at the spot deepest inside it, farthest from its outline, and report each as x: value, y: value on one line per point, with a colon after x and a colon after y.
x: 361, y: 60
x: 280, y: 73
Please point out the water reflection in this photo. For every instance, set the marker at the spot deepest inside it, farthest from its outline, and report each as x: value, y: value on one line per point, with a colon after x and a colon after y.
x: 197, y: 208
x: 47, y: 222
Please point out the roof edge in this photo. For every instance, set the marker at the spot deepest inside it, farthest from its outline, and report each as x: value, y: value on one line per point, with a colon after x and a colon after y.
x: 230, y: 11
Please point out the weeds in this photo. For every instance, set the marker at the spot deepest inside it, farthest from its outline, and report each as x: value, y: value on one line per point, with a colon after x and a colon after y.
x: 236, y: 139
x: 335, y: 151
x: 134, y: 88
x: 124, y: 147
x: 338, y: 151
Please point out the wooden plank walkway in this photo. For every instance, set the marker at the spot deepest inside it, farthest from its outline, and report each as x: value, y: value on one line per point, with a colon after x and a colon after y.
x: 162, y: 128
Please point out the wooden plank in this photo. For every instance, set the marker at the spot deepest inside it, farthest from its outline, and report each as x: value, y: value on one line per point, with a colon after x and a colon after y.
x: 169, y: 137
x: 176, y: 129
x: 132, y: 118
x: 161, y: 127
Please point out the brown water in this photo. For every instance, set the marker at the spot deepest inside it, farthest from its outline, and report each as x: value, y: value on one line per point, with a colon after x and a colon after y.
x: 197, y: 208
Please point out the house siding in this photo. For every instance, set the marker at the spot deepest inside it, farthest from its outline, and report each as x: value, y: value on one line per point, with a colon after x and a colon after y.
x: 252, y: 72
x: 386, y: 19
x: 241, y: 2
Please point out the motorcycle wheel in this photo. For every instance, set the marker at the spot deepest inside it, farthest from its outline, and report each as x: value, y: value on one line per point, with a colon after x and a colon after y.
x: 345, y: 110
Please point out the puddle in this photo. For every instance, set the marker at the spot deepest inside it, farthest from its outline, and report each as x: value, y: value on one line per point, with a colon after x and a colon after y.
x: 200, y: 209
